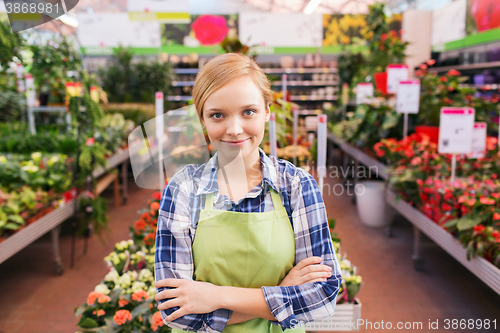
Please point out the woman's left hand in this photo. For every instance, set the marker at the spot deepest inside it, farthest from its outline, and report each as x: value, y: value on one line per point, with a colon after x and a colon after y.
x: 190, y: 296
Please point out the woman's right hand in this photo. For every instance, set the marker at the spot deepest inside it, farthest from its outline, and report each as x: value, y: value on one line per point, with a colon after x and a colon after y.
x: 307, y: 270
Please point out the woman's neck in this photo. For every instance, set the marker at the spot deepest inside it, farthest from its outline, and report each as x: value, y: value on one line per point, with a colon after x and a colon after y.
x: 240, y: 171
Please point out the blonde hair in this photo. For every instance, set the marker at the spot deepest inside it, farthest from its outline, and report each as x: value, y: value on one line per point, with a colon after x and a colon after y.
x: 224, y: 68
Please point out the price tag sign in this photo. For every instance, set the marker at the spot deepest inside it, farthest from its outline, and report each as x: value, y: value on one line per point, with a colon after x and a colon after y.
x: 479, y: 140
x: 321, y: 166
x: 272, y: 135
x: 364, y: 93
x: 30, y: 91
x: 160, y: 129
x: 395, y: 74
x: 455, y: 130
x: 408, y: 96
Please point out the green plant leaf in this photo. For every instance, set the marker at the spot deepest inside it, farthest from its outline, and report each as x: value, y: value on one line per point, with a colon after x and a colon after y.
x: 141, y: 309
x: 80, y: 310
x: 466, y: 223
x: 87, y: 323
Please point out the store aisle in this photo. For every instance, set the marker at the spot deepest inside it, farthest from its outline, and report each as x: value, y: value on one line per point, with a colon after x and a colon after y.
x: 35, y: 300
x: 393, y: 291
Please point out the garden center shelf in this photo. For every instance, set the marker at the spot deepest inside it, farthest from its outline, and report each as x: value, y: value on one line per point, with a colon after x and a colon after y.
x: 304, y: 83
x: 295, y: 98
x: 483, y: 269
x: 52, y: 221
x: 481, y: 65
x: 179, y: 98
x: 299, y: 70
x: 49, y: 222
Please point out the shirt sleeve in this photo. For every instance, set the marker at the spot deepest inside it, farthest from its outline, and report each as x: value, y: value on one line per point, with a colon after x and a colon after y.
x: 293, y: 306
x: 174, y: 259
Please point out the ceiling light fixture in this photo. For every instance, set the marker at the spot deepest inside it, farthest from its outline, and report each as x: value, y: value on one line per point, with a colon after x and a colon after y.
x: 311, y: 6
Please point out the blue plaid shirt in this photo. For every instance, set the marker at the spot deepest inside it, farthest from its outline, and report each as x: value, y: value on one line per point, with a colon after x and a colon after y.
x: 183, y: 199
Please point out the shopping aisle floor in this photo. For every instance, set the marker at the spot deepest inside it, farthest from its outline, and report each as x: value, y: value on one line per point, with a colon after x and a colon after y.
x: 392, y: 290
x: 34, y: 299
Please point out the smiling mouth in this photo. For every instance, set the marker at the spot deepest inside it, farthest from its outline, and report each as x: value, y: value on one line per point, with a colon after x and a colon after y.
x: 241, y: 141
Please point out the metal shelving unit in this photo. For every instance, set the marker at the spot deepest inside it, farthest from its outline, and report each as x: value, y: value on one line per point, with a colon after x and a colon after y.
x: 299, y: 70
x: 482, y: 65
x: 295, y: 98
x: 482, y: 268
x: 294, y: 83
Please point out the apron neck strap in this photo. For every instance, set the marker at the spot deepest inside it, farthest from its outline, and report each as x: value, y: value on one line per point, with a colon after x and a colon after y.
x: 209, y: 201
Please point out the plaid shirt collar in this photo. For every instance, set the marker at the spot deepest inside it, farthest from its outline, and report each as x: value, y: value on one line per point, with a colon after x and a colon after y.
x: 209, y: 183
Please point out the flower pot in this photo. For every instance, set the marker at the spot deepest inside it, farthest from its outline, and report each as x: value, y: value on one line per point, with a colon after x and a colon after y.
x: 371, y: 204
x: 431, y: 131
x: 341, y: 320
x: 381, y: 82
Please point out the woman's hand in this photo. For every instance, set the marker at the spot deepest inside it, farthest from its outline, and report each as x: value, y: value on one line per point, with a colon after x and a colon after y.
x: 191, y: 296
x: 307, y: 270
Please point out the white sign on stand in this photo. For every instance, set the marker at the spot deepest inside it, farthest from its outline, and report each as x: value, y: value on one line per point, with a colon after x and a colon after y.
x: 408, y: 96
x: 456, y: 126
x: 364, y: 93
x: 272, y: 135
x: 455, y: 130
x: 479, y: 140
x: 321, y: 166
x: 30, y: 91
x: 395, y: 74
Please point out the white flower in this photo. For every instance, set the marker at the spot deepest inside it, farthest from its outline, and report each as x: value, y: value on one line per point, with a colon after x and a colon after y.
x: 112, y: 276
x: 124, y: 281
x: 138, y: 285
x: 133, y: 275
x: 3, y: 159
x: 53, y: 160
x: 36, y: 156
x: 30, y: 168
x: 102, y: 288
x: 152, y: 292
x: 130, y: 242
x: 146, y: 275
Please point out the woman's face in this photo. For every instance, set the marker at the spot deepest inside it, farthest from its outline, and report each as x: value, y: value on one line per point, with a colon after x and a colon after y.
x: 235, y: 117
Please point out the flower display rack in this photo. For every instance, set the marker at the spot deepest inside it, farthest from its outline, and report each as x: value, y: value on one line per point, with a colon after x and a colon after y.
x: 50, y: 222
x: 479, y: 266
x: 342, y: 320
x: 482, y: 268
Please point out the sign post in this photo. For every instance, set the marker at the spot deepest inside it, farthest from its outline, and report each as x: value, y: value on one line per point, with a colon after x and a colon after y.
x: 321, y: 166
x: 160, y: 133
x: 272, y: 135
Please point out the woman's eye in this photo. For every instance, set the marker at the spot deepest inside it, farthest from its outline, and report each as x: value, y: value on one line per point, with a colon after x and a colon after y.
x: 216, y: 115
x: 249, y: 112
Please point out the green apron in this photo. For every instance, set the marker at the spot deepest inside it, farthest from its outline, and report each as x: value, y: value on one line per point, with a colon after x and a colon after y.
x: 248, y: 250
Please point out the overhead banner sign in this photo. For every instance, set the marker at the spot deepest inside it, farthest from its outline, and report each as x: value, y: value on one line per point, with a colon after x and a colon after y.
x: 166, y: 11
x: 281, y: 30
x: 448, y: 23
x: 107, y: 30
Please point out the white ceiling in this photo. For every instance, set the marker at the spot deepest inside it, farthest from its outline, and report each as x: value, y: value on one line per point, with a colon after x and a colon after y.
x: 325, y: 6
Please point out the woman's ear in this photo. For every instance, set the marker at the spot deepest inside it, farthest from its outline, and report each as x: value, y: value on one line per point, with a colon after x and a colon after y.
x: 268, y: 113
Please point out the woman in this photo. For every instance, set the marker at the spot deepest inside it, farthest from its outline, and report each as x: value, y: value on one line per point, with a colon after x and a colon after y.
x: 231, y: 231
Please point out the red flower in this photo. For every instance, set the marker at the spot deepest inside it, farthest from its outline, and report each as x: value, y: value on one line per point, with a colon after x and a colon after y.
x: 453, y: 72
x: 383, y: 37
x: 157, y: 321
x: 431, y: 62
x: 496, y: 216
x: 89, y: 142
x: 154, y: 206
x: 140, y: 225
x: 416, y: 160
x: 443, y: 78
x: 157, y: 196
x: 122, y: 316
x: 122, y: 302
x: 378, y: 150
x: 103, y: 299
x: 140, y: 295
x: 478, y: 229
x: 423, y: 66
x: 495, y: 234
x: 99, y: 313
x: 409, y: 152
x: 93, y: 296
x: 487, y: 201
x: 210, y: 29
x: 149, y: 239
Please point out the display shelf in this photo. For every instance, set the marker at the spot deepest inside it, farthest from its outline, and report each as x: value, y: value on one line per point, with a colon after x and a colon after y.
x: 344, y: 315
x: 294, y: 83
x: 299, y: 70
x: 179, y: 98
x: 309, y: 112
x: 35, y: 230
x: 295, y: 98
x: 113, y: 161
x: 482, y: 268
x: 493, y: 86
x: 482, y: 65
x: 363, y: 158
x: 338, y: 141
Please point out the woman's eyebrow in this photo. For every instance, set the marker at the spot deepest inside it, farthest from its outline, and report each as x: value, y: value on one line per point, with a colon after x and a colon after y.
x: 242, y: 107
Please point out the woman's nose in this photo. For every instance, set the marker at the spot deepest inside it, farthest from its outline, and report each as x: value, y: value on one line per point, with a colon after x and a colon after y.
x: 234, y: 127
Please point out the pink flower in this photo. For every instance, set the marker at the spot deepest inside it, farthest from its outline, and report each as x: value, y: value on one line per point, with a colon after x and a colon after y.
x: 122, y: 316
x: 210, y: 29
x: 140, y: 295
x: 93, y: 296
x: 416, y: 160
x: 487, y: 201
